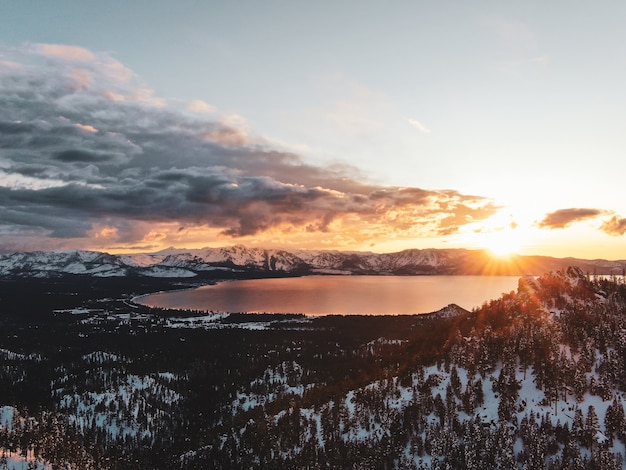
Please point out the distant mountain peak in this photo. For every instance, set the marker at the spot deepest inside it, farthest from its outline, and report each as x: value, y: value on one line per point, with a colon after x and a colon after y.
x: 174, y: 262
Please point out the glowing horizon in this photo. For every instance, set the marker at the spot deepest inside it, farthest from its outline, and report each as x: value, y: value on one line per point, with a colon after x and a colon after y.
x: 497, y: 136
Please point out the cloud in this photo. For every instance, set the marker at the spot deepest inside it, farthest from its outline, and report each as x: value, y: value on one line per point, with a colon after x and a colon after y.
x: 73, y: 53
x: 90, y: 156
x: 419, y: 126
x: 564, y: 217
x: 615, y: 226
x: 86, y: 127
x: 200, y: 107
x: 22, y: 181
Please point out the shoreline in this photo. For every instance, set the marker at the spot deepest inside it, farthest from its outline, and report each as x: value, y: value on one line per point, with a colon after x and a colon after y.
x: 388, y: 295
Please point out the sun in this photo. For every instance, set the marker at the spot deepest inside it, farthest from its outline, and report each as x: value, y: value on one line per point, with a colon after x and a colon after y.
x: 500, y: 236
x: 502, y: 248
x: 503, y: 243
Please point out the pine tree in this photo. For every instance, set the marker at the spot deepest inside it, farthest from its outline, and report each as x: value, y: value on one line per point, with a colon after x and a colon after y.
x: 455, y: 381
x: 612, y: 420
x: 578, y: 425
x: 591, y: 427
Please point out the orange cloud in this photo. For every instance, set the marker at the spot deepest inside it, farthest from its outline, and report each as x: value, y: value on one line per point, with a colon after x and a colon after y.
x: 614, y: 226
x: 106, y: 232
x: 564, y: 217
x: 86, y: 128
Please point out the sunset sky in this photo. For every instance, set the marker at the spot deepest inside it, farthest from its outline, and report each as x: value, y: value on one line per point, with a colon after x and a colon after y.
x: 351, y: 125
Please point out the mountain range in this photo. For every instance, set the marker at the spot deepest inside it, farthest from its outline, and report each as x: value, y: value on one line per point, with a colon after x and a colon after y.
x: 211, y: 262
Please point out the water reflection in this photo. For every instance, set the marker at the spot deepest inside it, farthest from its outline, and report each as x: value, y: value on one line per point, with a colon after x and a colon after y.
x: 321, y: 295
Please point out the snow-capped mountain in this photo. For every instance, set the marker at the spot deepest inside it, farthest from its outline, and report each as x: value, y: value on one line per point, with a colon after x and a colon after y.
x: 43, y: 264
x: 182, y: 263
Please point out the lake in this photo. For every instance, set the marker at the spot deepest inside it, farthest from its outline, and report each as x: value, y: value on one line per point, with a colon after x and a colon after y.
x: 322, y: 295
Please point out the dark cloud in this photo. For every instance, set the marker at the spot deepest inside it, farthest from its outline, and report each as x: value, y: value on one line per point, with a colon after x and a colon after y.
x: 55, y: 225
x: 81, y: 156
x: 615, y: 226
x: 564, y: 217
x: 85, y: 144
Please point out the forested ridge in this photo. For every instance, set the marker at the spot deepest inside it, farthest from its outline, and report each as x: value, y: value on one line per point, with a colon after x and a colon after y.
x: 534, y: 379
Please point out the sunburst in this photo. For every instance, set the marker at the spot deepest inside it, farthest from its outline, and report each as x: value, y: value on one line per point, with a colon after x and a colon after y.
x: 503, y: 244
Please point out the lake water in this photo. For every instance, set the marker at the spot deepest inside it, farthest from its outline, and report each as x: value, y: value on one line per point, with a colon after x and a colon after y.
x: 321, y: 295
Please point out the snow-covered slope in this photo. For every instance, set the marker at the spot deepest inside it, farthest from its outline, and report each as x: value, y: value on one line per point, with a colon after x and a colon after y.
x: 534, y: 381
x: 187, y: 263
x: 179, y: 263
x: 42, y: 264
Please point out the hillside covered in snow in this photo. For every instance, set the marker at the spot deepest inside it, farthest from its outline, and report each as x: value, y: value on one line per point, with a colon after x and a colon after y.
x: 239, y: 260
x: 535, y: 379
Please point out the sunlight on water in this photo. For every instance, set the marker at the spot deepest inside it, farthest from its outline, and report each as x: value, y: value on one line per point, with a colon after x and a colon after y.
x: 320, y: 295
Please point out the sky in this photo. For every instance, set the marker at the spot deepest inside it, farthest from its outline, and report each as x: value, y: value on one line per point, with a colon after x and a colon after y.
x: 350, y: 125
